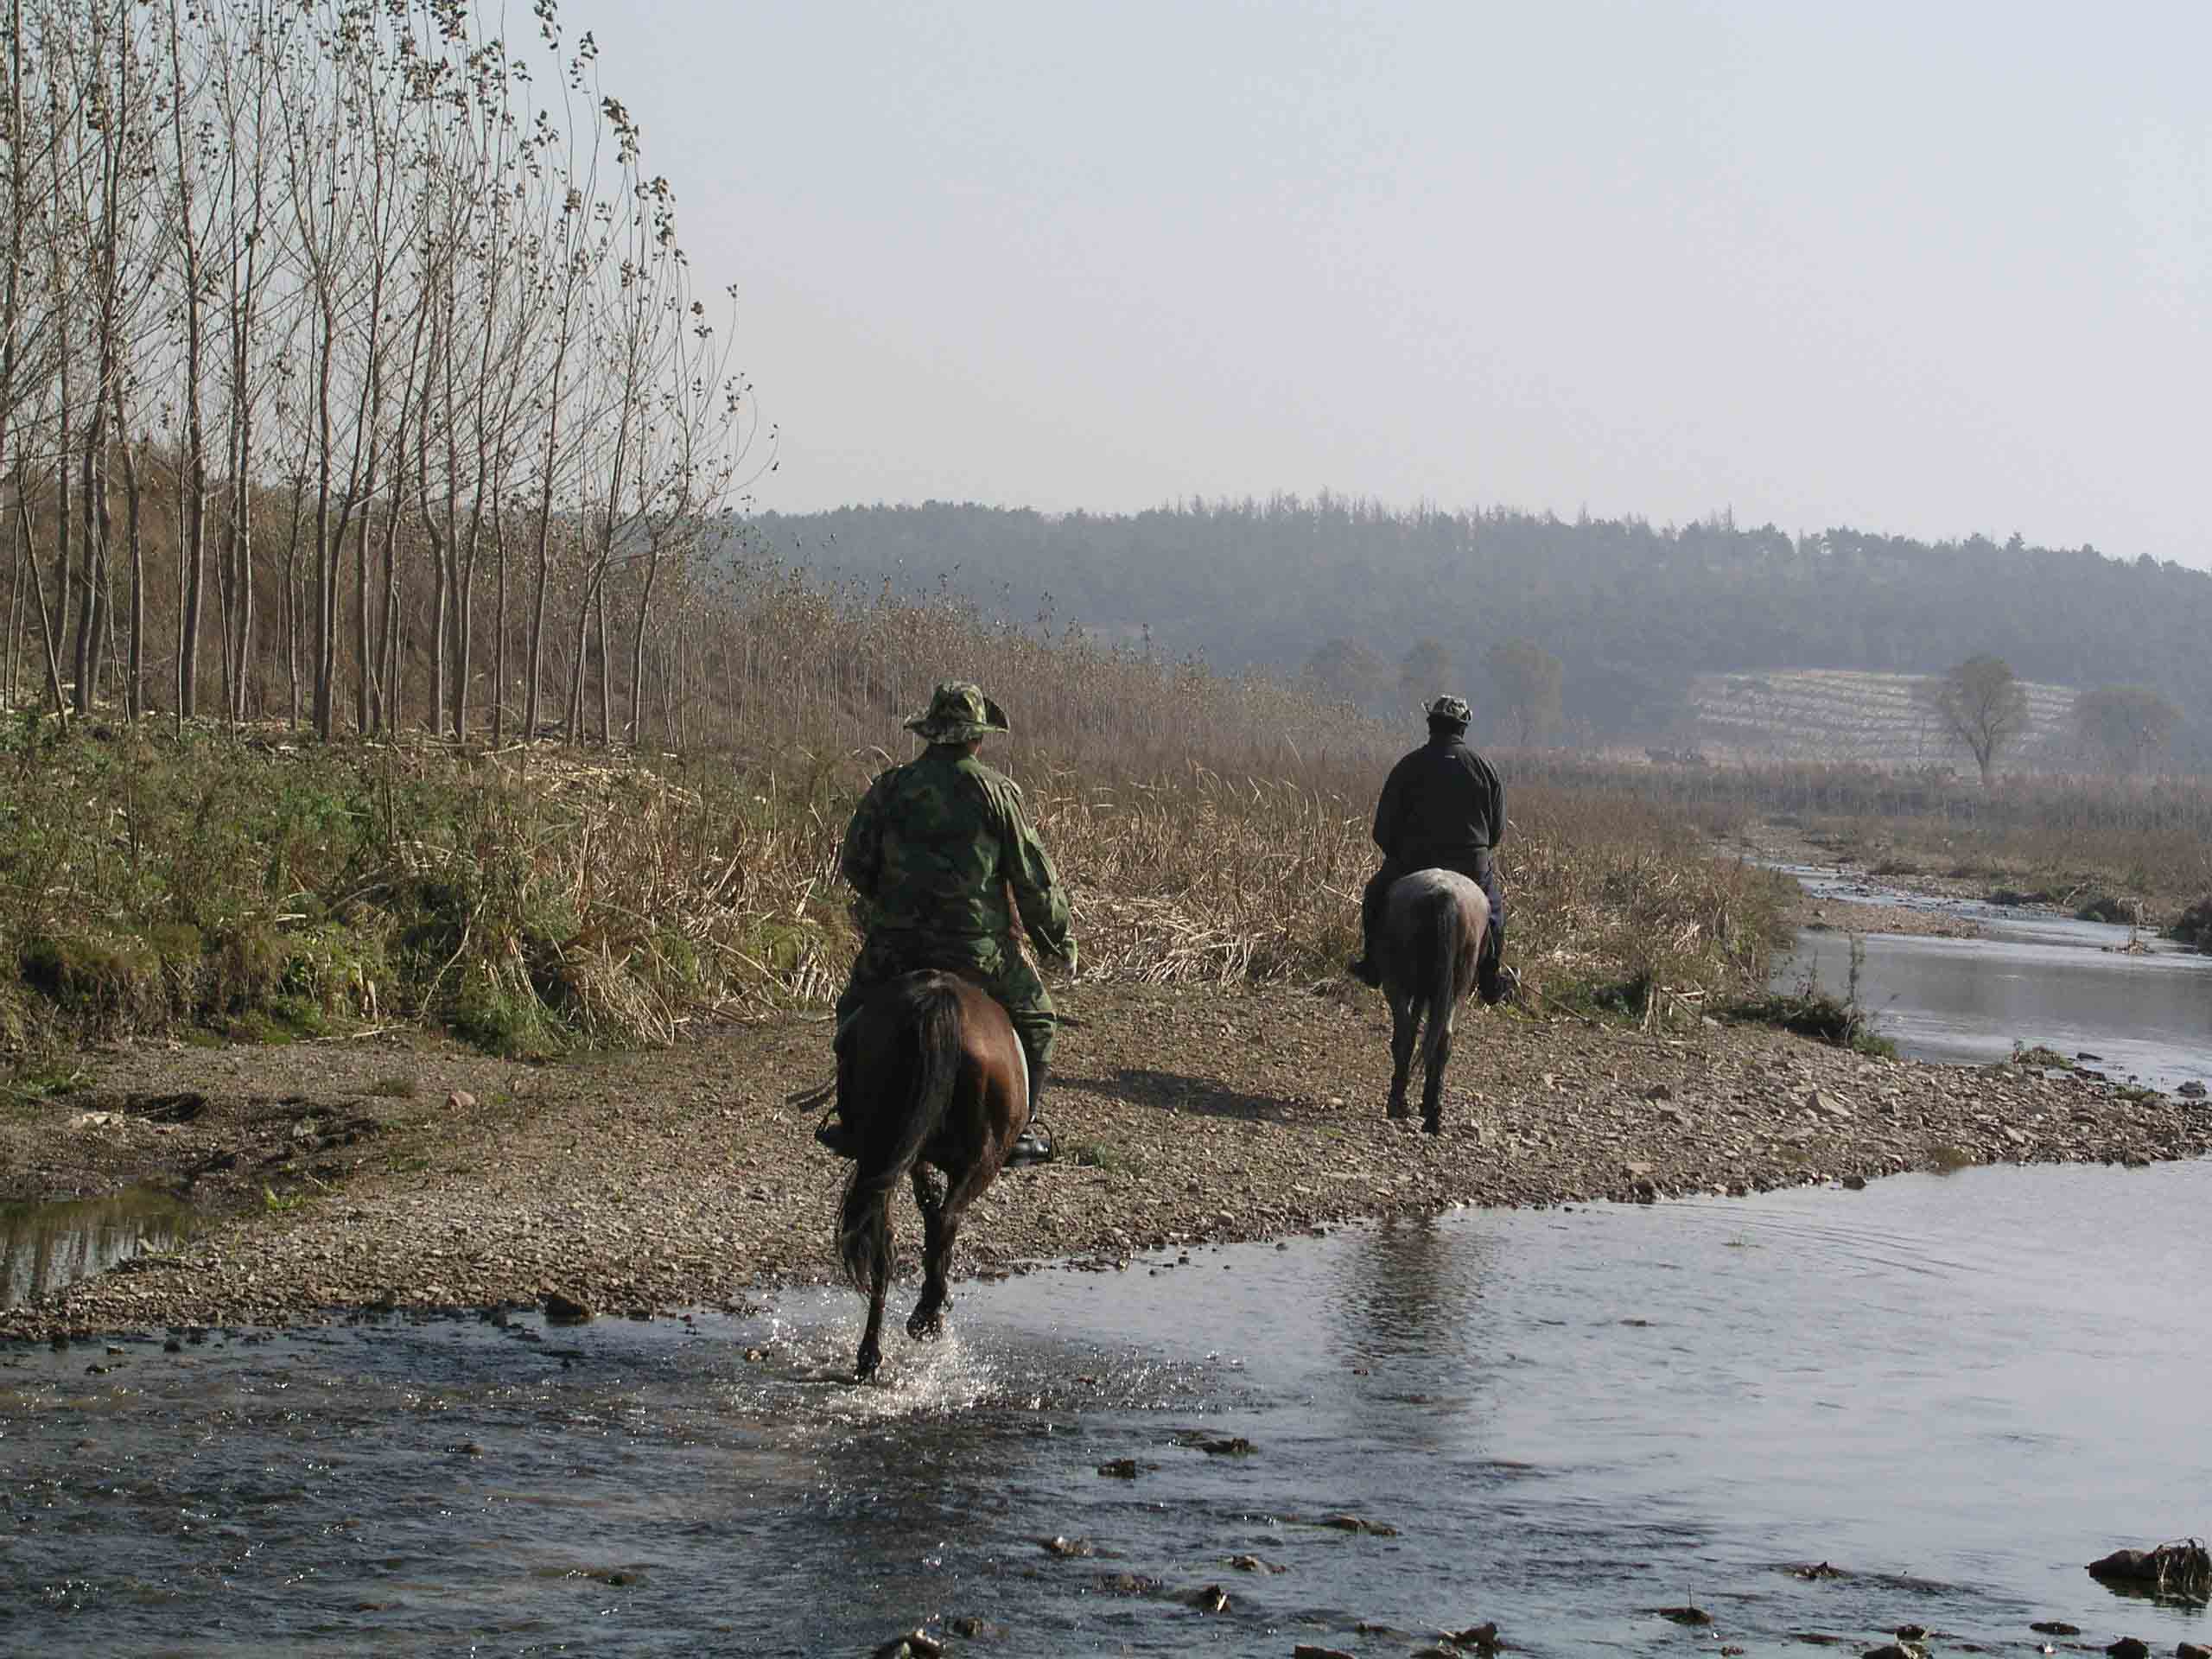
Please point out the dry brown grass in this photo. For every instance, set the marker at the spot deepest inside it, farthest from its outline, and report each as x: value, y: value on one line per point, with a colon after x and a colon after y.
x: 1211, y: 830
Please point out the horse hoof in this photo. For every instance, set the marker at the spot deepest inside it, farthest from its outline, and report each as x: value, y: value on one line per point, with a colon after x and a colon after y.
x: 1399, y: 1111
x: 871, y: 1362
x: 1432, y: 1126
x: 926, y: 1327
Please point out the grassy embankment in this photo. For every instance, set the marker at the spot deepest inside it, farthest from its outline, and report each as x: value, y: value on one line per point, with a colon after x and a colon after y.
x: 260, y: 888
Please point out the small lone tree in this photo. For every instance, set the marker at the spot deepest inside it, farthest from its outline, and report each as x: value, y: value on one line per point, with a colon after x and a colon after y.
x: 2125, y: 726
x: 1524, y: 683
x: 1981, y: 705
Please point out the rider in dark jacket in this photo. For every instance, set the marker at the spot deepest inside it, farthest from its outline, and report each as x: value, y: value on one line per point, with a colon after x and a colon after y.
x: 1442, y: 808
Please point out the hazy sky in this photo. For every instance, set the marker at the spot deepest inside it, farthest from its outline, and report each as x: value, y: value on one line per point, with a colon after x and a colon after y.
x: 1926, y: 267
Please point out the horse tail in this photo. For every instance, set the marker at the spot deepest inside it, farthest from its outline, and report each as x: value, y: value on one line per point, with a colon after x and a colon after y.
x: 1444, y: 988
x: 864, y: 1222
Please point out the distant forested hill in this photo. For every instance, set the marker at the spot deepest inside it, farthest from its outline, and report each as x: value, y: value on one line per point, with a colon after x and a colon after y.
x: 1346, y: 589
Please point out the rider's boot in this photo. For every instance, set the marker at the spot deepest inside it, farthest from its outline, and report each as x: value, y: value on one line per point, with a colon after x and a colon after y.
x: 1034, y: 1144
x: 836, y: 1133
x: 1494, y: 981
x: 1370, y: 918
x: 1363, y: 968
x: 839, y: 1137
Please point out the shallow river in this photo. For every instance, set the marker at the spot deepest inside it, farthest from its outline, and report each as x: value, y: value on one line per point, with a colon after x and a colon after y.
x: 2036, y: 978
x: 1954, y: 1391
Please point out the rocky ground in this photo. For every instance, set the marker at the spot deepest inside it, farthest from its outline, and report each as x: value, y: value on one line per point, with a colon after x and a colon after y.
x: 1857, y: 916
x: 1925, y: 917
x: 390, y: 1171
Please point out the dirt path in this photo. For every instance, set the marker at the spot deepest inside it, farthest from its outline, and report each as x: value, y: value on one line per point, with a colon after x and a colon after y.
x: 412, y: 1174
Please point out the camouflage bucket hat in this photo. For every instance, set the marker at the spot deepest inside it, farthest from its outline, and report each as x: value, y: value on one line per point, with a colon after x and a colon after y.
x: 959, y: 713
x: 1454, y: 709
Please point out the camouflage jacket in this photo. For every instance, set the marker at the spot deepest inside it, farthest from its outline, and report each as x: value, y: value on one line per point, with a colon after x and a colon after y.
x: 934, y: 845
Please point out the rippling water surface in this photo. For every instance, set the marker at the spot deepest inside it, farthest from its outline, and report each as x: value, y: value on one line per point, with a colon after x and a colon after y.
x: 1954, y: 1390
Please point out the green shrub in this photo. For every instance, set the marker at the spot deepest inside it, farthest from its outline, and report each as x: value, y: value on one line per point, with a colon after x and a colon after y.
x: 102, y: 984
x: 1815, y: 1014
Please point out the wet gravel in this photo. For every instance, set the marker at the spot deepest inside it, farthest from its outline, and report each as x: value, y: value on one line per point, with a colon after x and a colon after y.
x: 393, y: 1171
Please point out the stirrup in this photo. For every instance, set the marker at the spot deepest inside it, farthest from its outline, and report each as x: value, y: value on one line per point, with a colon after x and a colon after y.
x: 1032, y: 1146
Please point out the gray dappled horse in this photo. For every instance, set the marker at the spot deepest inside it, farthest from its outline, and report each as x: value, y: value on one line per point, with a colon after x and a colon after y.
x: 1432, y: 934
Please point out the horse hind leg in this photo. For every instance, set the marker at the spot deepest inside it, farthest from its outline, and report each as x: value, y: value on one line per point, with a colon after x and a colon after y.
x: 928, y: 1320
x: 1440, y: 1055
x: 1405, y: 1023
x: 936, y: 1269
x: 871, y: 1355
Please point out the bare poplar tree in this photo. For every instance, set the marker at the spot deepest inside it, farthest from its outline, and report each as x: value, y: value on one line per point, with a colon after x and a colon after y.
x: 296, y: 281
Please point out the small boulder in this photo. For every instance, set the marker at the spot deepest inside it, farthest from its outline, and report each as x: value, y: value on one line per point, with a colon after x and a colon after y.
x: 2130, y: 1647
x: 2191, y: 1090
x: 2184, y: 1566
x: 562, y: 1309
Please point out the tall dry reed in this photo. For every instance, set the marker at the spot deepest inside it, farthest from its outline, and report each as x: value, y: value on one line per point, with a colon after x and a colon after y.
x: 1212, y: 829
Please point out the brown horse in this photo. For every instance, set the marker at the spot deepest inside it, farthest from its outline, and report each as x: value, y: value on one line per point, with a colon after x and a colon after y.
x: 931, y: 1073
x: 1430, y: 937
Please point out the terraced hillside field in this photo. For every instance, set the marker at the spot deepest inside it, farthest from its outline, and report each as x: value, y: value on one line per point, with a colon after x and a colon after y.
x: 1838, y: 715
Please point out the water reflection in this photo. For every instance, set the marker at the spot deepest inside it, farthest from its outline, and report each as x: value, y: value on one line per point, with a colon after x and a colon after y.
x: 1411, y: 1290
x: 46, y: 1247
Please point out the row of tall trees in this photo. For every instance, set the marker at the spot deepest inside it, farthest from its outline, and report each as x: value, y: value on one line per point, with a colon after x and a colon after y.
x: 349, y: 361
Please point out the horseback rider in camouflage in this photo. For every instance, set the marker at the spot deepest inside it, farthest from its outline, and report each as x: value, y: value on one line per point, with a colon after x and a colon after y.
x: 1442, y: 808
x: 933, y: 850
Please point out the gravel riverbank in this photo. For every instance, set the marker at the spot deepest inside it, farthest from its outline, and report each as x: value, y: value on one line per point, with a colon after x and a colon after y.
x: 390, y: 1172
